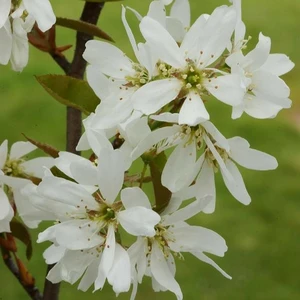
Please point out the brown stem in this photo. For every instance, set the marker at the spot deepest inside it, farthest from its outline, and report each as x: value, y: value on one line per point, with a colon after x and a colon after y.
x: 30, y: 289
x: 90, y: 14
x: 62, y: 62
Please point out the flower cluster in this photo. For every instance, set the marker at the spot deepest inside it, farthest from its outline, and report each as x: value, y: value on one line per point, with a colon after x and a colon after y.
x: 17, y: 18
x: 148, y: 106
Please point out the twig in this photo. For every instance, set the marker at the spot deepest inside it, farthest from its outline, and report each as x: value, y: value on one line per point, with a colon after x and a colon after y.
x: 62, y: 62
x: 31, y: 290
x: 90, y: 14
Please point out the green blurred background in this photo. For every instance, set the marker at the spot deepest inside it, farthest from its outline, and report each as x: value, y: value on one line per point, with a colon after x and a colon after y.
x: 264, y: 238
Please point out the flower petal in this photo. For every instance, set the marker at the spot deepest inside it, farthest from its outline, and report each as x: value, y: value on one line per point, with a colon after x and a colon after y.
x: 139, y: 221
x: 3, y: 153
x: 236, y: 186
x: 19, y: 149
x: 110, y: 173
x: 161, y: 272
x: 119, y: 275
x: 108, y: 58
x: 36, y: 166
x: 278, y: 64
x: 155, y: 95
x: 226, y: 88
x: 249, y: 158
x: 193, y: 111
x: 134, y: 196
x: 162, y: 42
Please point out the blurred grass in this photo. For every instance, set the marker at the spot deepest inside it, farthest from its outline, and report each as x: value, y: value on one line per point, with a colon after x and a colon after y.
x: 264, y: 238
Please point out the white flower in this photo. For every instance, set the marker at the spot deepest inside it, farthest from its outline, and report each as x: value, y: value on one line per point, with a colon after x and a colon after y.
x: 154, y: 256
x: 16, y: 20
x: 13, y: 165
x: 125, y: 77
x: 89, y: 216
x: 217, y: 157
x: 184, y: 71
x: 266, y: 93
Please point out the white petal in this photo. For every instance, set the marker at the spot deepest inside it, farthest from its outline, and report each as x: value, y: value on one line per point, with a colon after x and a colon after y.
x: 249, y: 158
x: 53, y: 254
x: 157, y: 12
x: 89, y: 276
x: 4, y: 11
x: 270, y: 84
x: 98, y: 81
x: 181, y: 10
x: 175, y: 28
x: 162, y: 42
x: 218, y: 158
x: 107, y: 258
x: 161, y: 272
x: 226, y: 88
x: 196, y: 238
x: 42, y: 12
x: 166, y: 117
x: 216, y: 134
x: 84, y: 172
x: 257, y: 57
x: 64, y: 161
x: 209, y: 261
x: 205, y: 185
x: 77, y: 235
x: 193, y: 111
x: 134, y: 196
x: 20, y: 149
x: 153, y: 138
x: 139, y: 221
x: 36, y: 166
x: 188, y: 211
x: 66, y: 192
x: 110, y: 173
x: 6, y: 212
x: 155, y: 95
x: 278, y: 64
x: 109, y: 58
x: 179, y: 170
x: 236, y: 186
x: 119, y: 275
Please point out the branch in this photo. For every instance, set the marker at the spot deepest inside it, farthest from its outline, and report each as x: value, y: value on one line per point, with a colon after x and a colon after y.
x: 62, y: 62
x: 90, y: 14
x: 31, y: 289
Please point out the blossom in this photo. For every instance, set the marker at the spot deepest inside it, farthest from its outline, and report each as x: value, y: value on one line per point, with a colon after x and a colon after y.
x: 266, y: 93
x: 184, y: 71
x: 115, y: 78
x: 154, y: 256
x: 16, y: 21
x: 89, y: 216
x: 15, y: 170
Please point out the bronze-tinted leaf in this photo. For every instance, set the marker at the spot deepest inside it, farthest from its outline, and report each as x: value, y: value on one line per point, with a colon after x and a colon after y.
x: 44, y: 147
x: 85, y: 27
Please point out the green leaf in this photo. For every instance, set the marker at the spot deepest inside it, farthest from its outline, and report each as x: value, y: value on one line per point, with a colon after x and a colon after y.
x: 20, y: 231
x: 85, y: 27
x: 44, y: 147
x: 162, y: 194
x: 58, y: 173
x: 70, y: 92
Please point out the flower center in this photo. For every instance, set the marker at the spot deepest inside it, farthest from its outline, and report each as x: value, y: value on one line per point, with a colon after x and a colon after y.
x: 13, y: 167
x: 211, y: 158
x: 194, y: 133
x: 140, y: 77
